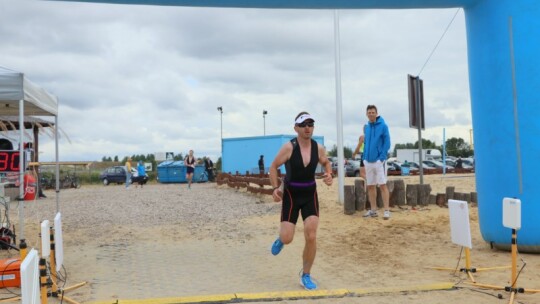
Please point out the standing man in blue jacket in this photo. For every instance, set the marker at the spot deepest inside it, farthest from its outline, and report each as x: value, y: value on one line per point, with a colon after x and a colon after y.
x: 376, y: 146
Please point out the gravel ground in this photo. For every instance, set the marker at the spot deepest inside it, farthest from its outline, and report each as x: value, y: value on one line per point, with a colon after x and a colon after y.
x: 158, y: 204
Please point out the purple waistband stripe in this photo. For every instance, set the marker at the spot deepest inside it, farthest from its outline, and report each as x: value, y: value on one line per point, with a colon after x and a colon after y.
x: 302, y: 184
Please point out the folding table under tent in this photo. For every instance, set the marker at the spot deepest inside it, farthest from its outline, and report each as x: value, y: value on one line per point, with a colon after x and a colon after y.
x: 19, y: 96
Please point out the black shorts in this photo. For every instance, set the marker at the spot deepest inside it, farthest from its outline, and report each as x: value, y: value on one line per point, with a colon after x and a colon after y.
x: 295, y: 201
x: 361, y: 161
x: 190, y: 170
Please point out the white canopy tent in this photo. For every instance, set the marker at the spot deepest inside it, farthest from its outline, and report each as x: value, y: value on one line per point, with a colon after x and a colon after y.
x: 14, y: 87
x: 19, y: 96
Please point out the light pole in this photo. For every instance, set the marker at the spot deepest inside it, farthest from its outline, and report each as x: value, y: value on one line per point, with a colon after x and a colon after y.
x: 264, y: 122
x: 220, y: 109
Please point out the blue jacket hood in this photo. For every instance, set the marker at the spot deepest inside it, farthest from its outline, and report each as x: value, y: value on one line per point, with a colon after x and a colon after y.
x: 376, y: 140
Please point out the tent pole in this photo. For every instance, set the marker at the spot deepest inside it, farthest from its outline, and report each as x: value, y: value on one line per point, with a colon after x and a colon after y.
x: 339, y: 115
x: 57, y: 165
x: 21, y: 170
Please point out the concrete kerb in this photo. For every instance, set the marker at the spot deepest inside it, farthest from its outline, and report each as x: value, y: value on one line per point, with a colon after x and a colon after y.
x: 285, y: 295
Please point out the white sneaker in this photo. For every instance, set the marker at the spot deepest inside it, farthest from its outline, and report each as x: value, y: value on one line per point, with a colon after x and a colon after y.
x: 386, y: 215
x: 371, y: 213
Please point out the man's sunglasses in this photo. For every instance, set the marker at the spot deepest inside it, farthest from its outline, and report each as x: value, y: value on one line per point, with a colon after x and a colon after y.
x: 305, y: 124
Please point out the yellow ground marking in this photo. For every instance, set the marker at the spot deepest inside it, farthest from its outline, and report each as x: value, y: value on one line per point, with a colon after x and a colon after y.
x: 296, y: 294
x: 284, y: 295
x: 425, y: 287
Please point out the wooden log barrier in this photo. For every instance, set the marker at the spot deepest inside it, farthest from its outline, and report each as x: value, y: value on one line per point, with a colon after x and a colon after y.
x: 423, y: 194
x: 390, y: 187
x: 360, y: 194
x: 474, y: 198
x: 412, y: 194
x: 267, y: 191
x: 398, y: 195
x: 460, y: 196
x: 441, y: 200
x: 349, y: 205
x: 432, y: 199
x: 450, y: 192
x: 466, y: 197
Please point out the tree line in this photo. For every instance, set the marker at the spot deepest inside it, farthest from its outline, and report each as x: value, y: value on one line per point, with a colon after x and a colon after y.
x: 454, y: 147
x: 151, y: 158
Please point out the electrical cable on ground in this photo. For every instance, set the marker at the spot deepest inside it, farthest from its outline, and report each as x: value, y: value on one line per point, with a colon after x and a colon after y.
x: 458, y: 261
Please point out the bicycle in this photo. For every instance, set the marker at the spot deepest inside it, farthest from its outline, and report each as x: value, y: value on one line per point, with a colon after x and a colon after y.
x: 70, y: 181
x: 47, y: 183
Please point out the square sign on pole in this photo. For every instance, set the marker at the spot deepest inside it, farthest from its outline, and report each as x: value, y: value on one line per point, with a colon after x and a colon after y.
x: 416, y: 102
x: 512, y: 213
x: 460, y: 229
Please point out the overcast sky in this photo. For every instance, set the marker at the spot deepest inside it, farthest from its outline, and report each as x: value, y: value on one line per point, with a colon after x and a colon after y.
x: 145, y: 79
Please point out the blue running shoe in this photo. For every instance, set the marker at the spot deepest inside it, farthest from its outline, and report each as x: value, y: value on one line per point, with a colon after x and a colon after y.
x: 277, y: 246
x: 307, y: 282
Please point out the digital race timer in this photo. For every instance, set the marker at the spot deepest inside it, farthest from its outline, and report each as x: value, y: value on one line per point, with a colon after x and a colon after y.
x: 9, y: 161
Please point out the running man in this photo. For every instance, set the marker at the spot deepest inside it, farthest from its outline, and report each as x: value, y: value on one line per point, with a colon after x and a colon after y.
x: 376, y: 146
x: 299, y: 192
x: 190, y: 161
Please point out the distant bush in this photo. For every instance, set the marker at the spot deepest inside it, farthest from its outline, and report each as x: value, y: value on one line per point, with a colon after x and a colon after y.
x: 86, y: 177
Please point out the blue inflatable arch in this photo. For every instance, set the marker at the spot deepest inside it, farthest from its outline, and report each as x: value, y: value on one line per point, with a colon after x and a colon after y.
x: 504, y: 75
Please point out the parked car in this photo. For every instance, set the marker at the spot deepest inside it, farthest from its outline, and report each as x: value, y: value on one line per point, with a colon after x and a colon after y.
x: 436, y: 164
x: 136, y: 178
x: 452, y: 163
x: 352, y: 168
x: 469, y: 161
x: 396, y: 166
x: 416, y: 166
x: 116, y: 174
x: 334, y: 166
x: 393, y: 166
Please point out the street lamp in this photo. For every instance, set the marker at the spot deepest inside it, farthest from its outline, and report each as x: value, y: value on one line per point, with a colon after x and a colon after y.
x: 264, y: 121
x: 220, y: 109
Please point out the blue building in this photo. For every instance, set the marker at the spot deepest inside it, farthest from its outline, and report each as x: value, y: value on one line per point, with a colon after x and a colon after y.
x: 242, y: 153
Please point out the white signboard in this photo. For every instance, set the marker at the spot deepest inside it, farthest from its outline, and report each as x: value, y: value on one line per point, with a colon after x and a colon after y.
x: 512, y: 213
x: 459, y: 223
x: 45, y: 239
x: 30, y: 279
x: 58, y: 241
x: 162, y: 156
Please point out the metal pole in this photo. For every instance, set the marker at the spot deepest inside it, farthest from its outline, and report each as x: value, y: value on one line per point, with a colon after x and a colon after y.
x: 57, y: 165
x: 341, y: 179
x: 419, y: 125
x: 21, y: 170
x: 264, y: 124
x: 444, y: 151
x: 220, y: 109
x: 221, y: 122
x: 470, y: 139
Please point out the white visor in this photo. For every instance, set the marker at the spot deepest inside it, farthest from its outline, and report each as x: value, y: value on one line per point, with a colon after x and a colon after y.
x: 303, y: 118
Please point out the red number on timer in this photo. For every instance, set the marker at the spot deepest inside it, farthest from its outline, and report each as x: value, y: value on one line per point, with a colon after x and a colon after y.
x: 15, y: 161
x: 9, y: 161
